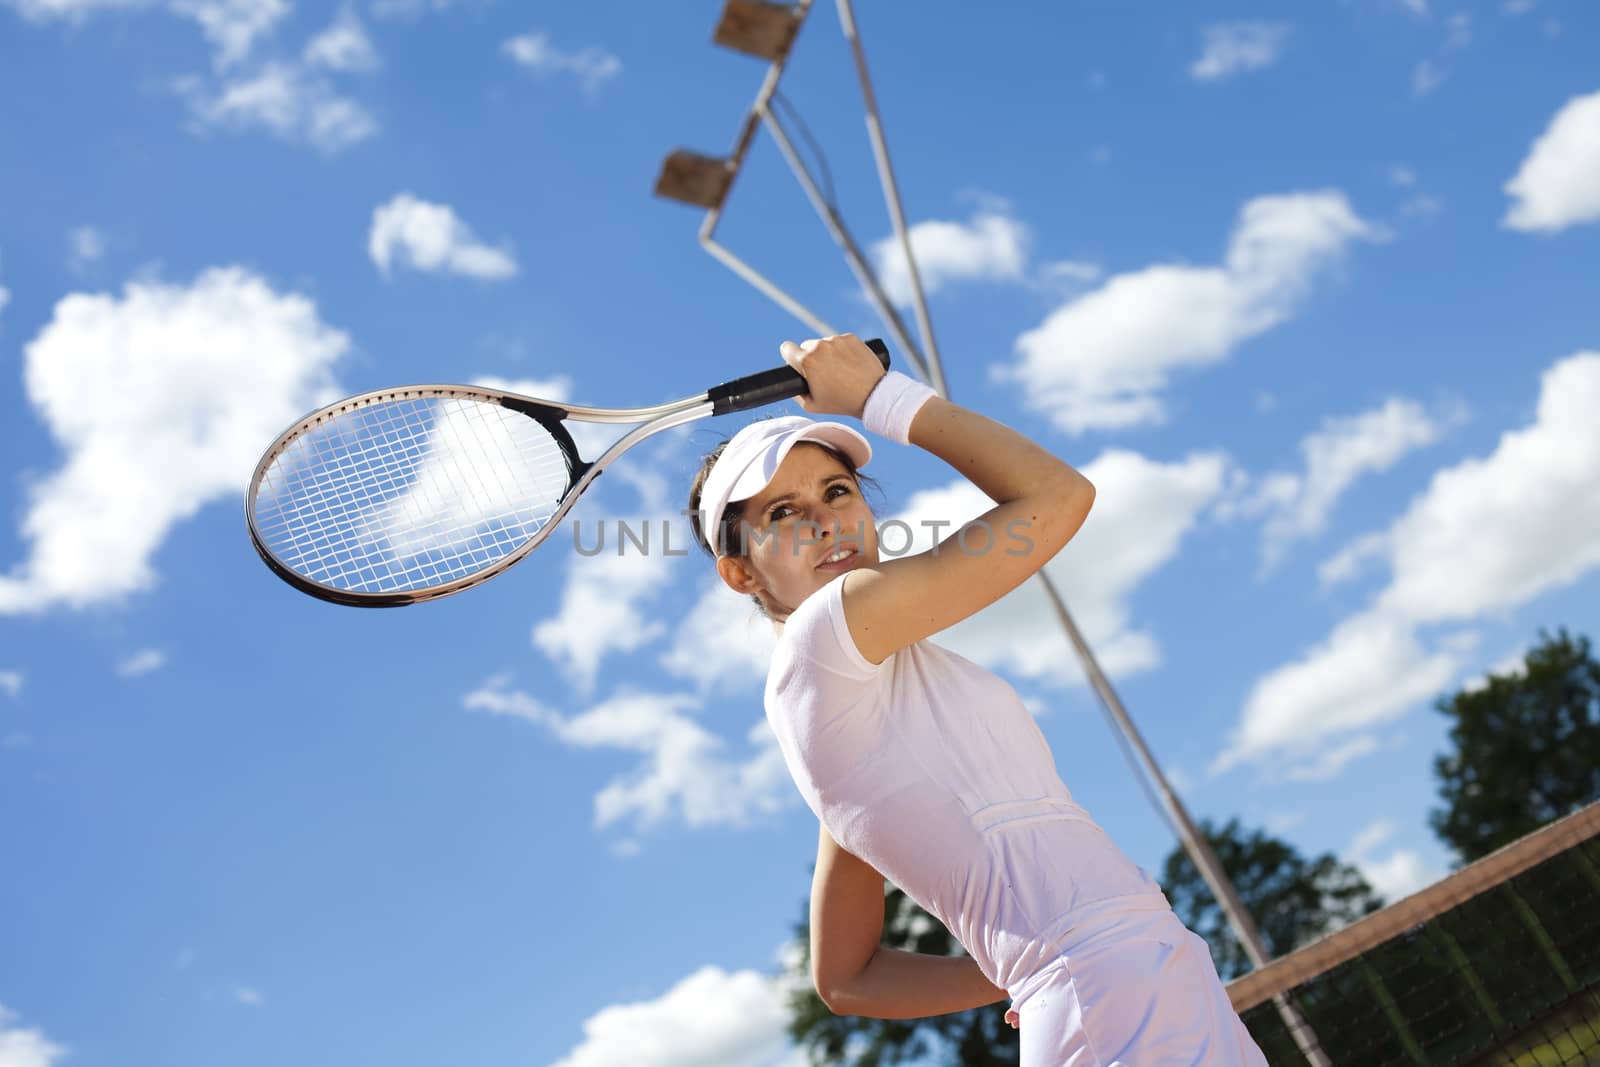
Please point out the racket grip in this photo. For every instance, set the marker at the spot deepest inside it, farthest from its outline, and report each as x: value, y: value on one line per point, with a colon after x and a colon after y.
x: 771, y: 386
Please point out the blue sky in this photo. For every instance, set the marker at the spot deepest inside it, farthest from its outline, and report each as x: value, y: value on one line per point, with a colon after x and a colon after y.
x: 1309, y: 293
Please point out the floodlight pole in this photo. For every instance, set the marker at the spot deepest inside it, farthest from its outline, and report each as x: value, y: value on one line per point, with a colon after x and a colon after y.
x: 852, y: 254
x: 891, y: 196
x: 930, y: 369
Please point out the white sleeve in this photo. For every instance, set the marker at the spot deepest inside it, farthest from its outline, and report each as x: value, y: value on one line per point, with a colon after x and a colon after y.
x: 818, y: 632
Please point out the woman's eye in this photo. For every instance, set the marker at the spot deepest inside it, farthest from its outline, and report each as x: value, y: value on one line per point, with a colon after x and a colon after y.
x: 777, y: 513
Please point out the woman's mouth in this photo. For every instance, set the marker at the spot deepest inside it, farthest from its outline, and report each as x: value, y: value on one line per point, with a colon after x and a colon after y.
x: 837, y: 558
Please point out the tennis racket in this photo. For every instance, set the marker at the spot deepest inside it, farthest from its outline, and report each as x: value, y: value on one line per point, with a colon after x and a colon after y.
x: 409, y: 494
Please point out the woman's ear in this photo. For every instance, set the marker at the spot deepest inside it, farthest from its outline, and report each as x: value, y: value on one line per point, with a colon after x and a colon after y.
x: 737, y: 575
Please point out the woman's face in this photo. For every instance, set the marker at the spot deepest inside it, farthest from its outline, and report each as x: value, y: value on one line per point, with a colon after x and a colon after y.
x: 811, y: 511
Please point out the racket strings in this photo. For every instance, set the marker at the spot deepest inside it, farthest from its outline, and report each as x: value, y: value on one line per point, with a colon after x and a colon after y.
x: 406, y: 494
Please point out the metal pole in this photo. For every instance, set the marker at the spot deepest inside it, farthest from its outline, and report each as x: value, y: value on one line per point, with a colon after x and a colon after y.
x: 761, y: 282
x: 858, y: 264
x: 891, y: 195
x: 1189, y: 836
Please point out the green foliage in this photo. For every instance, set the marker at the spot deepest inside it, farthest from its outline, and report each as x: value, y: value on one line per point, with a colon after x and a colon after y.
x: 1292, y: 899
x: 978, y: 1038
x: 1525, y: 749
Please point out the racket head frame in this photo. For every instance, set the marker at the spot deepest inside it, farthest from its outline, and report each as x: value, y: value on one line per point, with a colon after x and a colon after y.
x: 549, y: 414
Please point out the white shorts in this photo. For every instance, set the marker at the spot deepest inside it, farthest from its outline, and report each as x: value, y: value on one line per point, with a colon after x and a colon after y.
x: 1142, y: 992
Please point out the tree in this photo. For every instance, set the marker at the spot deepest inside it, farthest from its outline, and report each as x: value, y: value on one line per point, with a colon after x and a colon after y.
x: 1525, y: 748
x: 1293, y: 900
x: 977, y: 1038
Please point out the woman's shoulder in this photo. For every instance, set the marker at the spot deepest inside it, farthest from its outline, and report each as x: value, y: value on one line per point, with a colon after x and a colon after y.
x: 816, y: 633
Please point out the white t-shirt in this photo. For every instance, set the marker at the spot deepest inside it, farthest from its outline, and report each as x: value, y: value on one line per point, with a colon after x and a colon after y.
x: 930, y: 769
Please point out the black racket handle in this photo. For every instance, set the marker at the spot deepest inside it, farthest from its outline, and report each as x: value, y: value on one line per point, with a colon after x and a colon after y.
x: 771, y: 386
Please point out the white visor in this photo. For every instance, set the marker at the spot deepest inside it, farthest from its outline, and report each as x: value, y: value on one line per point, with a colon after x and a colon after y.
x: 754, y: 455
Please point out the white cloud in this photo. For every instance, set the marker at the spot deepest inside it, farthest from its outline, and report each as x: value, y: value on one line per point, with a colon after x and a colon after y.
x: 284, y: 98
x: 1371, y: 836
x: 1349, y: 561
x: 1142, y: 511
x: 343, y: 46
x: 232, y: 26
x: 1485, y: 537
x: 1400, y: 874
x: 1422, y: 206
x: 1236, y: 47
x: 1426, y: 76
x: 290, y: 100
x: 250, y: 998
x: 86, y: 247
x: 142, y: 662
x: 21, y: 1047
x: 617, y: 564
x: 1491, y: 534
x: 74, y: 11
x: 723, y: 641
x: 1282, y: 822
x: 1330, y: 762
x: 1071, y: 270
x: 1558, y: 184
x: 1370, y: 670
x: 989, y: 247
x: 592, y: 66
x: 429, y: 237
x: 684, y: 772
x: 11, y: 683
x: 602, y: 608
x: 730, y: 1019
x: 1417, y: 203
x: 1429, y: 74
x: 5, y: 297
x: 1512, y: 663
x: 161, y: 401
x: 409, y: 9
x: 1101, y: 360
x: 1336, y: 456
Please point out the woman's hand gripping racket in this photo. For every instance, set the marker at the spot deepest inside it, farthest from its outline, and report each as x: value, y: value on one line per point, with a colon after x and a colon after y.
x: 414, y: 493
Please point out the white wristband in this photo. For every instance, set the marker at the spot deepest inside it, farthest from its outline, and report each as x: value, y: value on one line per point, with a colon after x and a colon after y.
x: 892, y: 404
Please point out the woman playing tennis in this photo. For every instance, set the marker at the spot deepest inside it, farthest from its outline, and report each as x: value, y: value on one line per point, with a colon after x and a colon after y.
x: 926, y: 769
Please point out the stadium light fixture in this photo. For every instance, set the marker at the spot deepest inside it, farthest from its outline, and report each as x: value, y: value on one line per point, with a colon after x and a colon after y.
x: 694, y: 179
x: 758, y: 28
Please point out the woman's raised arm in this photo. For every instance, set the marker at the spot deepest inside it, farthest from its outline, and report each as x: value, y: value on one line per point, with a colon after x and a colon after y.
x: 1040, y: 503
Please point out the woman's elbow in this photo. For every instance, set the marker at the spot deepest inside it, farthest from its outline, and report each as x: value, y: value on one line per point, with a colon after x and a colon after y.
x: 825, y: 992
x: 1073, y: 496
x: 1069, y: 506
x: 1083, y: 489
